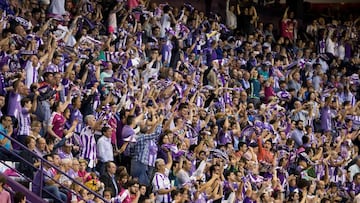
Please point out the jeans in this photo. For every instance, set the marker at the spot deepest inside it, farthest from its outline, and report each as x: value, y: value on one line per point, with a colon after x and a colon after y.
x: 53, y: 192
x: 141, y: 171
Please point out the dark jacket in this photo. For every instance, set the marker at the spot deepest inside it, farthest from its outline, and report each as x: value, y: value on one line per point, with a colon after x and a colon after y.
x: 107, y: 180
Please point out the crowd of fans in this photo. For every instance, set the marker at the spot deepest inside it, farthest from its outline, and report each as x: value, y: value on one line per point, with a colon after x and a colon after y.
x: 143, y: 102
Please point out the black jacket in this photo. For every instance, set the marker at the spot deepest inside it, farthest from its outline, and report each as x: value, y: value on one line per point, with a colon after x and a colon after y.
x: 107, y: 180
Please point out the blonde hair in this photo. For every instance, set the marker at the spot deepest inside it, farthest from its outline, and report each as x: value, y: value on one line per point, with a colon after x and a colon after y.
x: 83, y: 161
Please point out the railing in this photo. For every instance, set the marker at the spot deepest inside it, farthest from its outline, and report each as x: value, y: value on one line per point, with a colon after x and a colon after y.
x: 15, y: 186
x: 42, y: 162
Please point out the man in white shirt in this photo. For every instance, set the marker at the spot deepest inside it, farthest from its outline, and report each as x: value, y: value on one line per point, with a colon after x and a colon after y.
x: 104, y: 149
x: 354, y: 169
x: 183, y: 175
x: 231, y: 20
x: 32, y: 68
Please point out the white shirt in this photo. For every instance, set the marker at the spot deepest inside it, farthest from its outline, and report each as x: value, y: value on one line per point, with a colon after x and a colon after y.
x: 57, y: 7
x: 231, y: 21
x: 330, y: 46
x: 183, y: 177
x: 354, y: 169
x: 165, y: 24
x: 31, y: 73
x: 105, y: 149
x: 341, y: 52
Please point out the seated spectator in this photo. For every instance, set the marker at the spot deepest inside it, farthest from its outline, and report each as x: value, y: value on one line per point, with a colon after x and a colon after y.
x: 19, y: 197
x: 32, y: 163
x: 109, y: 179
x: 50, y: 187
x: 4, y: 194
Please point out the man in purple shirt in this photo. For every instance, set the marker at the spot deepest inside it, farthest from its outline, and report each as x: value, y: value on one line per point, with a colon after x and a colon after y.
x: 24, y: 121
x: 14, y: 106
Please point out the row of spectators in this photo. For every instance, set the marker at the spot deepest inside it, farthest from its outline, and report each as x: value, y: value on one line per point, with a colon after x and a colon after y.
x: 151, y: 103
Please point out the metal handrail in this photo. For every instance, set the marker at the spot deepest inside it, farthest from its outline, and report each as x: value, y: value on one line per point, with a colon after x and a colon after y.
x: 15, y: 186
x: 23, y: 175
x: 42, y: 161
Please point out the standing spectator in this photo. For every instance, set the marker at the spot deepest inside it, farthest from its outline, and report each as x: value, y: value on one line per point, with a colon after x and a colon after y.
x: 57, y: 8
x: 77, y: 115
x: 287, y: 26
x: 14, y: 104
x: 46, y: 98
x: 24, y: 120
x: 231, y: 20
x: 184, y: 174
x: 88, y: 143
x: 134, y: 3
x: 56, y: 125
x: 32, y: 68
x: 145, y: 152
x: 128, y: 136
x: 104, y: 149
x: 161, y: 183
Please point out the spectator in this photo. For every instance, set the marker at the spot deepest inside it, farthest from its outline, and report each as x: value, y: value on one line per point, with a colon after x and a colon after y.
x: 4, y: 195
x: 29, y: 168
x: 6, y: 128
x: 161, y: 183
x: 109, y: 178
x: 88, y: 142
x: 145, y: 151
x: 104, y: 149
x: 49, y: 185
x: 131, y: 194
x: 176, y: 82
x: 19, y: 197
x: 24, y: 117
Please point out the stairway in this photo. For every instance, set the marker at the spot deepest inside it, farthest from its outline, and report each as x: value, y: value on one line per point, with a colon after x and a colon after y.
x: 13, y: 186
x: 18, y: 182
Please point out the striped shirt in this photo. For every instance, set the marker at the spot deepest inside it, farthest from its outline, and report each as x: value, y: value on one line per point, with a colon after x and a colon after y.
x: 113, y: 56
x: 24, y: 122
x: 52, y: 68
x: 88, y: 143
x: 77, y: 115
x: 162, y: 181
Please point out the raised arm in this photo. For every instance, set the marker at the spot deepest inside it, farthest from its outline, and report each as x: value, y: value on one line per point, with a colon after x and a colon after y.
x: 285, y: 16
